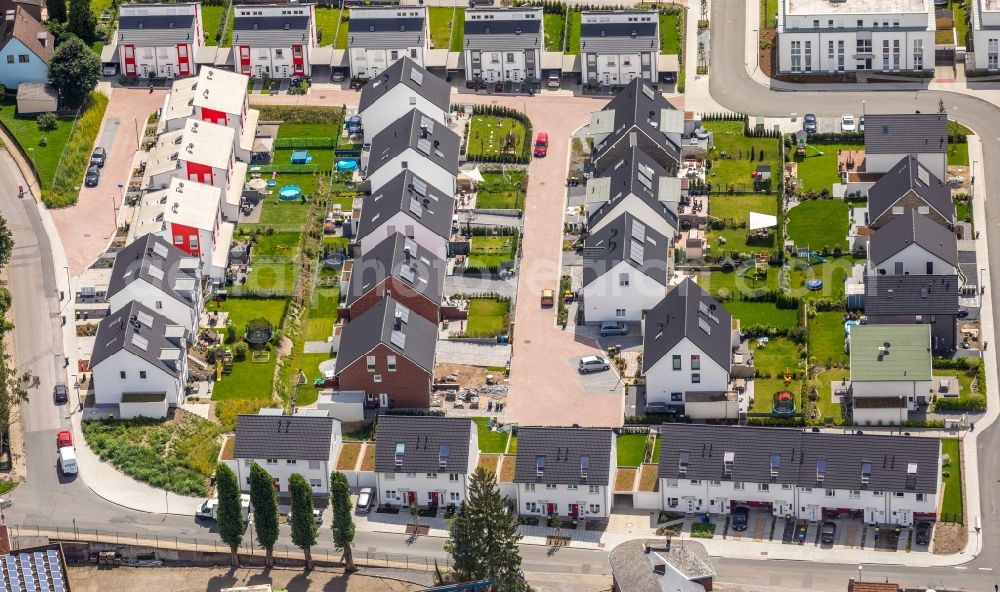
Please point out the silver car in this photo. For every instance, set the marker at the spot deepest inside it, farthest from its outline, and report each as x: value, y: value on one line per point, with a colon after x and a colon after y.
x: 590, y: 364
x: 366, y: 499
x: 613, y: 328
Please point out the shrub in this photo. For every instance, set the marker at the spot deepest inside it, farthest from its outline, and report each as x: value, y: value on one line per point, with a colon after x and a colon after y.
x: 240, y: 351
x: 43, y: 141
x: 47, y: 122
x: 76, y: 156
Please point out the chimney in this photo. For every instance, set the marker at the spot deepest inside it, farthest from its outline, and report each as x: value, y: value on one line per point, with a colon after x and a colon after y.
x: 398, y: 324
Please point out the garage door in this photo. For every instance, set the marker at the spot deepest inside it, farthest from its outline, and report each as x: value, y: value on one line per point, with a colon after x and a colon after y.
x: 622, y: 501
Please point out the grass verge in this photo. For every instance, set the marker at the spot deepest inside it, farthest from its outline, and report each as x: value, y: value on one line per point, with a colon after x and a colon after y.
x: 73, y: 162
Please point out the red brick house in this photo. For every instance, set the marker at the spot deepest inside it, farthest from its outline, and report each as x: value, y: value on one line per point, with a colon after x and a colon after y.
x: 400, y: 268
x: 388, y: 352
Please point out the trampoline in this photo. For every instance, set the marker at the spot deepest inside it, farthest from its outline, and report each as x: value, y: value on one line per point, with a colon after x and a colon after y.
x: 289, y: 192
x: 347, y: 165
x: 814, y: 285
x: 783, y: 403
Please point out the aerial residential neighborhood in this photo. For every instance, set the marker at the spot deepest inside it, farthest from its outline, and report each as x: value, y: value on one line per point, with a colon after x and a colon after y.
x: 499, y: 295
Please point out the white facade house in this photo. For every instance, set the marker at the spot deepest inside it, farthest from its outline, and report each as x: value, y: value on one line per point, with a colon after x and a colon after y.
x: 214, y: 96
x: 378, y: 36
x: 400, y: 88
x: 158, y: 40
x: 306, y: 443
x: 414, y: 142
x: 625, y: 271
x: 565, y: 471
x: 889, y: 138
x: 503, y: 44
x: 638, y: 185
x: 619, y: 46
x: 274, y: 40
x: 168, y: 280
x: 410, y: 205
x: 637, y: 117
x: 139, y: 363
x: 912, y: 244
x: 891, y: 372
x: 985, y: 32
x: 799, y: 474
x: 424, y: 460
x: 688, y: 345
x: 821, y: 36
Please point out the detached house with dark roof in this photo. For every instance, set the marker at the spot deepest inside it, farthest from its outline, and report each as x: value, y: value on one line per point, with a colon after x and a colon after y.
x: 410, y: 205
x: 909, y: 185
x: 637, y: 184
x: 890, y: 138
x: 916, y: 299
x: 388, y: 353
x: 25, y: 48
x: 640, y: 117
x: 503, y: 44
x: 913, y: 245
x: 399, y: 267
x: 306, y: 443
x: 152, y: 271
x: 397, y: 90
x: 616, y: 47
x: 418, y: 143
x: 158, y: 40
x: 565, y: 471
x: 274, y: 40
x: 687, y: 354
x: 790, y: 472
x: 378, y: 36
x: 424, y: 460
x: 625, y: 270
x: 890, y: 372
x: 139, y: 362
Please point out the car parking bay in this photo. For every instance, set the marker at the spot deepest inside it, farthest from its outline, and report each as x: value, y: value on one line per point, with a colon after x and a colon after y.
x: 603, y: 382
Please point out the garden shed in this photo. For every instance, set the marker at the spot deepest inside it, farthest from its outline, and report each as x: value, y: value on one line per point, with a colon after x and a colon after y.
x: 36, y: 97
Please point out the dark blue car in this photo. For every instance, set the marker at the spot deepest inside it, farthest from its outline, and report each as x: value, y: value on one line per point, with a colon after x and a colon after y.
x: 809, y: 123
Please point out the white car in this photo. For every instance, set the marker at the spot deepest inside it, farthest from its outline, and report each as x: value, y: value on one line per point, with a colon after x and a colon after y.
x: 590, y: 364
x: 848, y: 124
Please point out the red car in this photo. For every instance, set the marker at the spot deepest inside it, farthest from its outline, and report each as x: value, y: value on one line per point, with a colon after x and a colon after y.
x: 64, y: 440
x: 542, y: 144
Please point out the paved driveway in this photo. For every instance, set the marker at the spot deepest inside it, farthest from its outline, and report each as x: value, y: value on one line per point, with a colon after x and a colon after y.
x: 86, y: 227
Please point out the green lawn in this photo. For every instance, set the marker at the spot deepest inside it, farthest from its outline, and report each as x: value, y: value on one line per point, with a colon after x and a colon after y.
x: 820, y: 172
x: 322, y: 314
x: 764, y: 314
x: 490, y: 442
x: 833, y: 273
x: 284, y: 215
x: 736, y: 156
x: 27, y: 134
x: 671, y: 32
x: 211, y: 17
x: 243, y: 310
x: 487, y: 135
x: 309, y: 130
x: 952, y: 477
x: 440, y: 25
x: 958, y: 154
x: 819, y: 224
x: 768, y: 14
x: 824, y: 390
x: 458, y: 30
x: 499, y: 191
x: 777, y: 356
x: 573, y: 34
x: 327, y: 25
x: 961, y: 26
x: 322, y: 159
x: 964, y: 380
x: 310, y: 367
x: 273, y: 263
x: 555, y: 25
x: 734, y: 280
x: 738, y: 207
x: 248, y: 380
x: 962, y: 213
x: 487, y: 317
x: 826, y: 339
x: 735, y: 240
x: 491, y: 251
x: 631, y: 449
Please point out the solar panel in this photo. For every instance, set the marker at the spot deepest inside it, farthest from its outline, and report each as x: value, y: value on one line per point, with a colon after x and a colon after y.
x: 635, y: 252
x: 160, y: 249
x: 410, y: 245
x: 398, y: 338
x: 424, y: 145
x: 145, y: 318
x: 403, y: 313
x: 156, y: 272
x: 924, y: 176
x: 406, y: 272
x: 420, y: 186
x: 428, y: 123
x: 417, y: 76
x: 638, y: 231
x: 703, y: 324
x: 415, y: 208
x: 140, y: 341
x: 646, y: 90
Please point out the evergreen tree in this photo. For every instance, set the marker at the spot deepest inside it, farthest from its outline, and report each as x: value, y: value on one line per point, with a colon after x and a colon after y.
x: 343, y: 518
x: 57, y: 10
x: 81, y: 20
x: 264, y: 500
x: 483, y: 536
x: 229, y: 513
x: 303, y: 523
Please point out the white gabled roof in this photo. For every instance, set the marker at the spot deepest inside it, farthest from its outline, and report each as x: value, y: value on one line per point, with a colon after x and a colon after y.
x: 179, y: 104
x: 221, y: 90
x: 207, y: 143
x: 191, y: 204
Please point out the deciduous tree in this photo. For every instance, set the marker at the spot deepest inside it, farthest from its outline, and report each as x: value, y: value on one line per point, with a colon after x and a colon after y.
x: 74, y: 69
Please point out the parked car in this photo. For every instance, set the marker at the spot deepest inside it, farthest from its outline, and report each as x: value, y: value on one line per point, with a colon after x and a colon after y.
x: 98, y: 156
x: 590, y: 364
x: 740, y: 518
x: 809, y: 123
x: 923, y: 533
x: 207, y: 510
x: 67, y: 461
x: 366, y: 499
x: 64, y: 439
x: 828, y: 532
x: 317, y: 516
x: 542, y: 144
x: 338, y: 76
x: 847, y: 123
x: 93, y: 176
x: 613, y: 328
x: 60, y: 394
x: 962, y: 312
x: 669, y: 77
x: 553, y: 81
x: 861, y: 124
x: 548, y: 298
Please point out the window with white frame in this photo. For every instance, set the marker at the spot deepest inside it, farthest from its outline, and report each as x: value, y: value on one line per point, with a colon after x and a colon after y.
x: 371, y: 363
x: 695, y: 481
x: 993, y: 54
x: 377, y: 378
x: 918, y: 54
x: 432, y: 475
x: 620, y: 312
x: 855, y: 493
x: 715, y: 483
x: 595, y: 508
x: 529, y: 486
x: 391, y: 362
x: 571, y: 487
x: 895, y: 54
x: 877, y: 493
x: 738, y: 485
x: 550, y: 486
x: 315, y: 483
x: 677, y: 362
x: 763, y: 487
x: 453, y: 476
x: 671, y: 502
x: 454, y: 496
x: 531, y: 507
x: 594, y: 489
x: 808, y: 55
x: 272, y: 461
x: 921, y: 497
x: 786, y: 487
x: 840, y: 55
x: 291, y: 461
x: 623, y: 279
x: 899, y: 494
x: 796, y: 47
x: 830, y: 493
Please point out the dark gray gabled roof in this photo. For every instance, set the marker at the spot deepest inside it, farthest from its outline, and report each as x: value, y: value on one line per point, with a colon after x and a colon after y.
x: 406, y: 71
x: 425, y: 444
x: 142, y: 332
x: 913, y: 228
x: 389, y: 30
x: 490, y: 34
x: 155, y: 261
x: 408, y: 193
x: 906, y: 133
x: 687, y: 311
x: 626, y: 239
x: 635, y: 174
x: 909, y: 175
x: 271, y: 31
x: 804, y: 458
x: 561, y: 453
x: 637, y: 108
x: 411, y: 336
x: 157, y: 30
x: 288, y: 437
x: 421, y: 133
x: 911, y: 294
x: 618, y: 38
x: 402, y: 258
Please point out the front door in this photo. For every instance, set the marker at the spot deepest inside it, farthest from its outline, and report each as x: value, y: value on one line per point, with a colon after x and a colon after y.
x: 411, y: 497
x: 574, y: 510
x: 383, y: 400
x: 433, y: 498
x: 550, y: 509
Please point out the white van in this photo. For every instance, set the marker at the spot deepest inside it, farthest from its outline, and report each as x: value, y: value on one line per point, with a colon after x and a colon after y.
x: 67, y: 461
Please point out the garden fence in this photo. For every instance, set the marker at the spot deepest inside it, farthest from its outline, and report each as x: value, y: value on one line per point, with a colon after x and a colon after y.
x: 24, y: 155
x: 296, y: 143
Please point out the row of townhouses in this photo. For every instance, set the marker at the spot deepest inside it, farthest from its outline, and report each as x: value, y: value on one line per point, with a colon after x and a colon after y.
x: 428, y: 461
